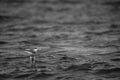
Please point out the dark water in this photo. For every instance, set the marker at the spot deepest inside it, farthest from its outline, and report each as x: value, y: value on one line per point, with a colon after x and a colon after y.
x: 80, y: 37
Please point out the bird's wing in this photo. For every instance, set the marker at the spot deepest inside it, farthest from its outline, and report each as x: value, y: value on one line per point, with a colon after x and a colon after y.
x: 28, y: 52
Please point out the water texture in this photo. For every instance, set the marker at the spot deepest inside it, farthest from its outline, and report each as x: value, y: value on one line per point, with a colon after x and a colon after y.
x: 80, y: 39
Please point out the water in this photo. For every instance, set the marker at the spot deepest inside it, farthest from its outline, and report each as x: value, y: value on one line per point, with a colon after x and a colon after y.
x: 79, y: 40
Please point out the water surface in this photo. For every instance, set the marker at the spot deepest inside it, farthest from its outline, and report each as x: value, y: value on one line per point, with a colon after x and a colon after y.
x: 81, y: 38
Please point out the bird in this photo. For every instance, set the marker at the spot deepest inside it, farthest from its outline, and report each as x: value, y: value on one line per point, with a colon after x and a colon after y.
x: 32, y: 53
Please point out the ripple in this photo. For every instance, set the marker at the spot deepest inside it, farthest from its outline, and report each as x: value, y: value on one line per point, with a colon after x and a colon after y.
x: 108, y: 71
x: 8, y: 18
x: 115, y: 59
x: 3, y: 42
x: 79, y: 67
x: 3, y: 76
x: 43, y: 75
x: 23, y: 75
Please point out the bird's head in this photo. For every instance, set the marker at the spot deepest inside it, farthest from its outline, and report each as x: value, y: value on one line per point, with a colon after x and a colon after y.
x: 35, y: 49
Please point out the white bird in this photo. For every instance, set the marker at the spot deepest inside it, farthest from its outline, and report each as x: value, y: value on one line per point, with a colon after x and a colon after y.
x: 32, y: 57
x: 32, y: 53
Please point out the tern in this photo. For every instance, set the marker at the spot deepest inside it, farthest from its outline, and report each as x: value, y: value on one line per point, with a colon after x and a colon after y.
x: 32, y: 53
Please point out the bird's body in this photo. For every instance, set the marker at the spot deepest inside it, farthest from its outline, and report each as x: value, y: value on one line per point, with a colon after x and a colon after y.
x: 32, y: 56
x: 32, y: 53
